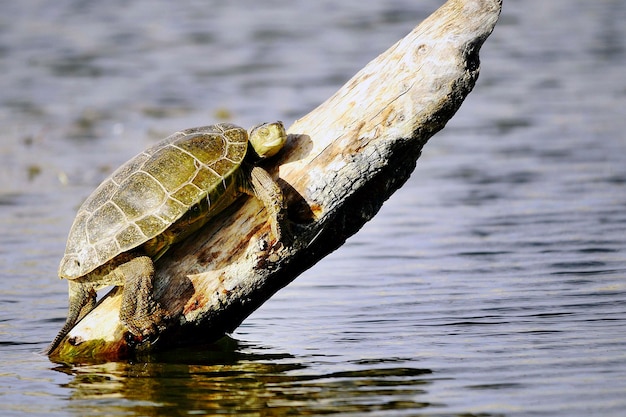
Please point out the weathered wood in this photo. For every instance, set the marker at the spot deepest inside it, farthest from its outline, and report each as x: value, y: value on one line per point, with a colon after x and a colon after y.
x: 342, y: 161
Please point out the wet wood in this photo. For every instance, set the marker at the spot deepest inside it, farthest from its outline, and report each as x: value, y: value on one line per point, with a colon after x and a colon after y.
x: 342, y: 161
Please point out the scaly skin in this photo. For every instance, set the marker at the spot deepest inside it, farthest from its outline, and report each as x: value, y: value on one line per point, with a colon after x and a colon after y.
x: 140, y: 312
x: 82, y: 299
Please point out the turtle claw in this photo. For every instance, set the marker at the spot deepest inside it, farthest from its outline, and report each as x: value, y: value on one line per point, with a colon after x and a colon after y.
x: 145, y: 329
x: 135, y: 341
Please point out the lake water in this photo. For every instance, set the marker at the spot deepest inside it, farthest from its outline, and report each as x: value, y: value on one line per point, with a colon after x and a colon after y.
x: 492, y: 284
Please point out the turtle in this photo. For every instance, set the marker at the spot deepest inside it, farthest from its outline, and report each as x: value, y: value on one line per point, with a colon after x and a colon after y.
x: 156, y: 199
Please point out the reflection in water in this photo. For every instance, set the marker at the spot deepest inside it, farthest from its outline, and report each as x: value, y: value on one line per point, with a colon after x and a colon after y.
x: 224, y: 379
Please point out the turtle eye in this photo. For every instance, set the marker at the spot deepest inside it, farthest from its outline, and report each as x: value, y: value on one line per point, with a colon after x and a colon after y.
x: 77, y: 262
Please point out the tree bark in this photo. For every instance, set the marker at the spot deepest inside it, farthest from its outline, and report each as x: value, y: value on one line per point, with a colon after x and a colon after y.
x: 342, y: 161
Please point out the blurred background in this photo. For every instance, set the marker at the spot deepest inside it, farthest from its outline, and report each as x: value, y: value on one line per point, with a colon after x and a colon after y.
x: 491, y: 284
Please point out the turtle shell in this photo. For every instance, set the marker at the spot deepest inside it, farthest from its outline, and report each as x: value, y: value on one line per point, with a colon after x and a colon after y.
x: 151, y: 192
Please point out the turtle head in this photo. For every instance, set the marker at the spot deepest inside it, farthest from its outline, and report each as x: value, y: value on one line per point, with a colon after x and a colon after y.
x: 268, y: 138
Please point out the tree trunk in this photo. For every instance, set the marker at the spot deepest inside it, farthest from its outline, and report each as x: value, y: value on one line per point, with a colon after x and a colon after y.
x: 341, y: 162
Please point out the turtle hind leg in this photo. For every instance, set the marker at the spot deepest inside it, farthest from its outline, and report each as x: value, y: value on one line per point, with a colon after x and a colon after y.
x: 140, y: 312
x: 263, y: 187
x: 82, y: 299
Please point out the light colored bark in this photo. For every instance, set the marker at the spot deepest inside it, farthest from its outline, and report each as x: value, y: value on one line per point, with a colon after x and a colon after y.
x: 342, y: 161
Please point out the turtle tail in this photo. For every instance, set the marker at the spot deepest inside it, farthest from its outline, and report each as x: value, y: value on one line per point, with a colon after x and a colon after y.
x: 82, y: 299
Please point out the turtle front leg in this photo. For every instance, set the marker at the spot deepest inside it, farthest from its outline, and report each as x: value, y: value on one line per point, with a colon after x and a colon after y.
x: 263, y: 187
x: 82, y: 299
x: 140, y: 312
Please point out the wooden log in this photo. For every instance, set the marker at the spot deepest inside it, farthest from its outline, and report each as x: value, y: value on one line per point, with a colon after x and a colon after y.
x: 342, y: 161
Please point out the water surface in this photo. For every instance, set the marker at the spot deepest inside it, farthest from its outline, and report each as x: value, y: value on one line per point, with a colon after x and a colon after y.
x: 491, y: 284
